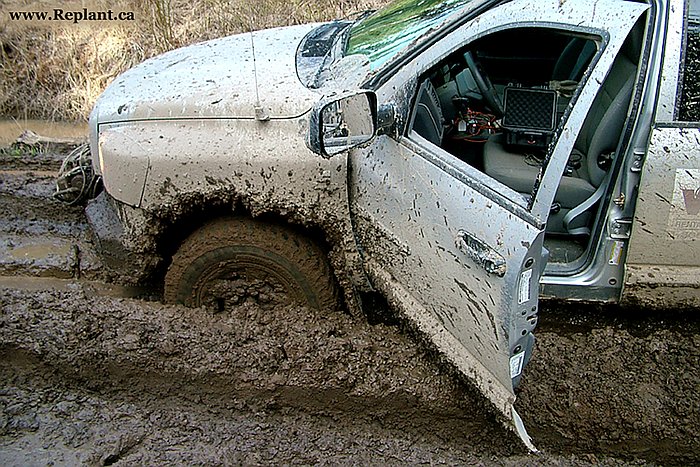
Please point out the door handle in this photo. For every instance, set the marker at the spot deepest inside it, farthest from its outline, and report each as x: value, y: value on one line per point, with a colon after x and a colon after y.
x: 481, y: 253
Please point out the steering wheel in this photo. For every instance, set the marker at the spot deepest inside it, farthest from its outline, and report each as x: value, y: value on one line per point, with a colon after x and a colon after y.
x: 488, y: 92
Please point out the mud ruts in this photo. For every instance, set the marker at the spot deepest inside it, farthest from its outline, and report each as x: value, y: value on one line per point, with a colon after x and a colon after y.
x: 38, y: 235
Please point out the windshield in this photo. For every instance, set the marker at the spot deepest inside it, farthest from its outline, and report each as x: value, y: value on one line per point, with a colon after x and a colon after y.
x: 384, y: 34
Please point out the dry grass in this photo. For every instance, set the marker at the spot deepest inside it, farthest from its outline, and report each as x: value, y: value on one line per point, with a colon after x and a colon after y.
x: 56, y: 71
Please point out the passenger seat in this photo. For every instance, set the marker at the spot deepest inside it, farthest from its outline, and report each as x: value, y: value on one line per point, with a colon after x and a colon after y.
x: 599, y: 136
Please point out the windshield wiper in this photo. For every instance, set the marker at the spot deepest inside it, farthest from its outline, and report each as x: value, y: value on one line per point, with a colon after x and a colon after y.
x: 334, y: 51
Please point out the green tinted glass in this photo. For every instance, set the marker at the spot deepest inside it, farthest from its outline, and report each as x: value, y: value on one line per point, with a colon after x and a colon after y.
x: 387, y: 32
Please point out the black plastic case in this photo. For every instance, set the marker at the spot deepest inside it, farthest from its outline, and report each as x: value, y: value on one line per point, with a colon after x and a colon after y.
x: 529, y: 116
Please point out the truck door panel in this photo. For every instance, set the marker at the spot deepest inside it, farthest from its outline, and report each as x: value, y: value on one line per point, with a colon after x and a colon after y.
x: 459, y: 253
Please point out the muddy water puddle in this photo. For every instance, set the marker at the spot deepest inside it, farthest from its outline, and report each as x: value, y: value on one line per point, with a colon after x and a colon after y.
x: 45, y: 249
x: 10, y: 130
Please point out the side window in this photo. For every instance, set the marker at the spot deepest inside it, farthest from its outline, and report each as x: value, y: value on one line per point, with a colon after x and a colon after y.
x: 690, y: 94
x: 496, y: 104
x: 510, y: 87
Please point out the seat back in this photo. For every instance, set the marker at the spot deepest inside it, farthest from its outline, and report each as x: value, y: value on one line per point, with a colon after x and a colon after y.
x: 428, y: 119
x: 602, y: 128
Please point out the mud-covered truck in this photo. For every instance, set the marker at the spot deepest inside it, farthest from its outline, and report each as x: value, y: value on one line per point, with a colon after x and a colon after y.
x: 461, y: 158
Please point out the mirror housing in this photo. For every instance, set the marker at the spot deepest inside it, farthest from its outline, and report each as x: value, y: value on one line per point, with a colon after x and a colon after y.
x: 387, y: 120
x: 341, y: 122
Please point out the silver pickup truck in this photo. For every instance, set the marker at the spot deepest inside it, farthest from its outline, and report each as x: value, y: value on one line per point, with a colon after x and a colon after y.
x: 462, y: 158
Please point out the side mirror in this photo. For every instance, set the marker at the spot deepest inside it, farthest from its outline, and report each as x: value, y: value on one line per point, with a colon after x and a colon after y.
x: 342, y: 122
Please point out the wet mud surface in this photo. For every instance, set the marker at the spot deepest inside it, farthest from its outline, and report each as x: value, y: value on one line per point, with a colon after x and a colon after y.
x: 89, y: 378
x: 39, y: 236
x: 615, y: 381
x: 100, y: 380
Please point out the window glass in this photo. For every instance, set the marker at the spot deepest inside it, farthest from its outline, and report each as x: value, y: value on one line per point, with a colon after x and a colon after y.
x: 497, y: 103
x: 389, y: 31
x: 690, y: 95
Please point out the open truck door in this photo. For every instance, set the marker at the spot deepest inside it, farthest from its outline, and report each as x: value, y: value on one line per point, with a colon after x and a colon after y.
x: 459, y: 252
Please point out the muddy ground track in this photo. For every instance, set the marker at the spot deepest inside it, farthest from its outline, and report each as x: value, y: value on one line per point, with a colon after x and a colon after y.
x: 92, y: 376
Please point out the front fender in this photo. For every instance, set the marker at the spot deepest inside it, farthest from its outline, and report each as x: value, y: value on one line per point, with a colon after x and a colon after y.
x: 263, y: 166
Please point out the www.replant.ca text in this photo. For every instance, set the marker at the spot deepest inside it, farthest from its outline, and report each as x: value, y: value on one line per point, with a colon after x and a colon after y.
x: 58, y: 14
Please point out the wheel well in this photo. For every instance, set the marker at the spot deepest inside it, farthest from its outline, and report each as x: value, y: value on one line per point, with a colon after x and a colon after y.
x: 174, y: 232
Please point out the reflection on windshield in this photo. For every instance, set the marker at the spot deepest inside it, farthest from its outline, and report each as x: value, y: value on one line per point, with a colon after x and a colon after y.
x: 387, y: 32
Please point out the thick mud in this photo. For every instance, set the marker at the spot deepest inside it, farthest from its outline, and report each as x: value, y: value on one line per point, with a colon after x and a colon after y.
x: 87, y: 378
x: 97, y: 380
x: 615, y: 381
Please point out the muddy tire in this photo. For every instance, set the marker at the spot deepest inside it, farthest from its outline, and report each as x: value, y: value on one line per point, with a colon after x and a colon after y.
x: 230, y: 261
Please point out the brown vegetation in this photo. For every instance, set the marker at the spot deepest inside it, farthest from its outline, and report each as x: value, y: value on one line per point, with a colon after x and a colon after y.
x: 56, y: 70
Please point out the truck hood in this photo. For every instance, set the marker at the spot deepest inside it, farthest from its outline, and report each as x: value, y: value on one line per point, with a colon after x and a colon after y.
x: 250, y: 75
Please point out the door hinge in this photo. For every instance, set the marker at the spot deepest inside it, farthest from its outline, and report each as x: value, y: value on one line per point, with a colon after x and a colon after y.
x: 620, y: 228
x: 638, y: 160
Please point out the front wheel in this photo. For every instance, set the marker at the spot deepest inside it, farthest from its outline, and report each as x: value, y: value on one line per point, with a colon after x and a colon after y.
x: 230, y: 261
